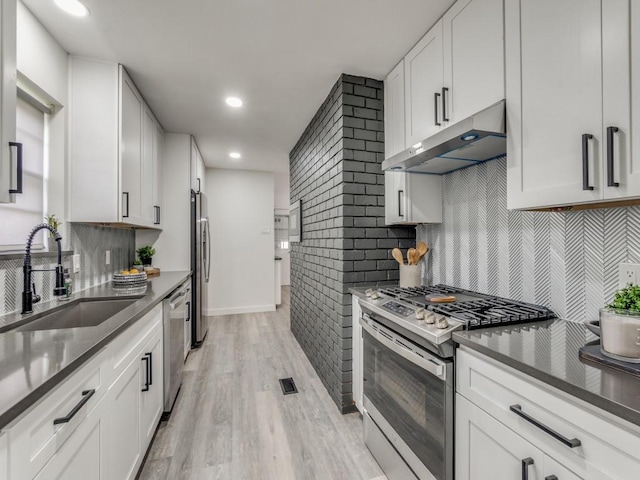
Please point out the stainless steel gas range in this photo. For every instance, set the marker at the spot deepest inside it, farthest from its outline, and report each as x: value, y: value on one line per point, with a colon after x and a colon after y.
x: 408, y: 370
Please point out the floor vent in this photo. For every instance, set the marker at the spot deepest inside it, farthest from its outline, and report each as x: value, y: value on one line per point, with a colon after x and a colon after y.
x: 288, y: 386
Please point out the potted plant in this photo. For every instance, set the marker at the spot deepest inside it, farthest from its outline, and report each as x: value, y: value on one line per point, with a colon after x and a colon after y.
x: 145, y: 254
x: 137, y: 264
x: 54, y: 223
x: 620, y: 325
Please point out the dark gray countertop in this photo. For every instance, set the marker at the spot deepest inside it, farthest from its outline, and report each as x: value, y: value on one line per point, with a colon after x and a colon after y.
x: 33, y: 363
x: 548, y: 351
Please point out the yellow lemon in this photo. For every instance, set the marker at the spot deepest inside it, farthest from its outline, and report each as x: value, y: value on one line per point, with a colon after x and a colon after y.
x: 133, y: 270
x: 124, y: 272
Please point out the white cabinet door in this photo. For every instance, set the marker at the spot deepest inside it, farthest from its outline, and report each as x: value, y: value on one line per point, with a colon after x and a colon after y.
x: 82, y: 456
x: 7, y: 99
x: 473, y: 42
x: 395, y: 198
x: 4, y: 455
x: 187, y: 330
x: 151, y: 398
x: 158, y: 158
x: 131, y: 152
x: 200, y: 172
x: 124, y: 438
x: 194, y: 165
x: 147, y: 173
x: 423, y: 78
x: 554, y: 102
x: 486, y: 449
x: 412, y: 198
x: 394, y: 130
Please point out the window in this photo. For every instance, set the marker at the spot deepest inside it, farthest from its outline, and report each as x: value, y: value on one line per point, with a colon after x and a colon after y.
x: 17, y: 219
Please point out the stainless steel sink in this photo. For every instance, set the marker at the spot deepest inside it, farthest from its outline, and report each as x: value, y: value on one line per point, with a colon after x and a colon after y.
x: 83, y: 313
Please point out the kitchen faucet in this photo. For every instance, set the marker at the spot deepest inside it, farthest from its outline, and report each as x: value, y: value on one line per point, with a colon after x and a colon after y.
x: 29, y: 296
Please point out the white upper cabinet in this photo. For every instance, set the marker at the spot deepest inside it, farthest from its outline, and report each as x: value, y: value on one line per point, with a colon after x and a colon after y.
x: 394, y: 112
x: 473, y: 42
x: 113, y: 149
x: 8, y: 153
x: 412, y: 198
x: 423, y: 77
x: 569, y: 105
x: 158, y: 159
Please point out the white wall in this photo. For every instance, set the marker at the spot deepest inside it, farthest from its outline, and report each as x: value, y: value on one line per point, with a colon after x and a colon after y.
x: 241, y: 205
x: 43, y: 67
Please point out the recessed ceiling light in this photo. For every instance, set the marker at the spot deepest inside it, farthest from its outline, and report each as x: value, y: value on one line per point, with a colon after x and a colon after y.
x: 233, y: 102
x: 235, y: 155
x: 73, y: 7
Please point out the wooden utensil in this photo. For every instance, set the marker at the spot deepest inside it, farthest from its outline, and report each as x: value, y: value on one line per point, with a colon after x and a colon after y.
x: 412, y: 256
x: 441, y: 299
x: 397, y: 255
x: 422, y: 249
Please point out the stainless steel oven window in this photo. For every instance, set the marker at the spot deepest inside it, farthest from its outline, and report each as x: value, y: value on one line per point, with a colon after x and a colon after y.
x: 417, y: 404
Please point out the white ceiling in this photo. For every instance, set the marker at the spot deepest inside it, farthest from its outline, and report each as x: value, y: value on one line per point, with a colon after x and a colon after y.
x: 280, y: 56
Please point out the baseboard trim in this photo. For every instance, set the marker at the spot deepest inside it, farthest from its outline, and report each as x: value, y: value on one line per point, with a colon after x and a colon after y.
x: 216, y: 312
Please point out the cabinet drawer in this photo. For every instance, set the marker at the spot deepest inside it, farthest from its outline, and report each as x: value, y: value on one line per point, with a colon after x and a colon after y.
x: 124, y: 348
x: 37, y: 436
x: 607, y: 443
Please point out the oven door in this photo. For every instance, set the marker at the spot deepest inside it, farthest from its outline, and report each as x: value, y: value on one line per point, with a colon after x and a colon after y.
x: 408, y: 393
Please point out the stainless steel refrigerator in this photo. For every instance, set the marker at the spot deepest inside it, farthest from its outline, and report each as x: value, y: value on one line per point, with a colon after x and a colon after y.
x: 200, y: 265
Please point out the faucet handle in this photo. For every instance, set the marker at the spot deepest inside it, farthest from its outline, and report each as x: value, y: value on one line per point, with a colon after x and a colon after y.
x: 36, y: 297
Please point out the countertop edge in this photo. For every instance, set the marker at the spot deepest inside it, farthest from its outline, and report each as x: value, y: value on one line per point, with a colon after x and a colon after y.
x: 608, y: 406
x: 11, y: 416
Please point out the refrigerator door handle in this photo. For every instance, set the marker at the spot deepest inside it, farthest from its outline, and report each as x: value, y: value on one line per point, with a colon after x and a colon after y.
x: 208, y: 251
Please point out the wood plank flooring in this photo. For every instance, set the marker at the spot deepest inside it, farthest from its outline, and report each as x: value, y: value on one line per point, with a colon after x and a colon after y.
x: 231, y: 420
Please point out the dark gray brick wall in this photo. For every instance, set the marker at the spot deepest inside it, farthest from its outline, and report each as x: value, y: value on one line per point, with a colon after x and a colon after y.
x: 335, y: 169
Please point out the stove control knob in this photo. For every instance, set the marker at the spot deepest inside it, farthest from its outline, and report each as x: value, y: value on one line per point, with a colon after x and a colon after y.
x: 375, y: 295
x: 420, y: 313
x: 441, y: 322
x: 430, y: 317
x: 368, y: 292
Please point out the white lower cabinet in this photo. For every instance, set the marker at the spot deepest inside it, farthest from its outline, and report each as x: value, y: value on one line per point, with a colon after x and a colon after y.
x: 99, y: 423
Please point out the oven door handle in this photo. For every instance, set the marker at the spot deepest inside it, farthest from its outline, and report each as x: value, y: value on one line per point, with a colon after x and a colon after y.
x: 424, y: 360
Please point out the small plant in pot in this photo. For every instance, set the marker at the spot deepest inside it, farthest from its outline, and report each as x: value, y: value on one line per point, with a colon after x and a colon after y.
x: 53, y: 222
x: 620, y: 325
x: 137, y: 264
x: 145, y: 254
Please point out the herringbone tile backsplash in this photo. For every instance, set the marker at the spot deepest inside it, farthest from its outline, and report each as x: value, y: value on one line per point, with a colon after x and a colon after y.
x: 87, y: 240
x: 567, y: 261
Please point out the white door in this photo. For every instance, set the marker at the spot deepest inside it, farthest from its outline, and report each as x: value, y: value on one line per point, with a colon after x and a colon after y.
x: 486, y: 449
x: 187, y: 329
x: 157, y: 173
x: 473, y: 42
x: 554, y: 102
x: 81, y: 457
x: 147, y: 174
x: 151, y: 395
x: 131, y: 152
x: 7, y: 99
x: 621, y: 104
x: 394, y: 130
x: 423, y: 78
x: 124, y: 423
x: 395, y: 197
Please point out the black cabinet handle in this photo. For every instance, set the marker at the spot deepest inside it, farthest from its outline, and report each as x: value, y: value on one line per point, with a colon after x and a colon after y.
x: 18, y: 188
x: 400, y: 194
x: 159, y: 215
x: 445, y: 115
x: 156, y: 210
x: 86, y: 395
x: 145, y: 359
x: 125, y: 196
x: 551, y: 477
x: 436, y: 99
x: 198, y: 184
x: 525, y: 467
x: 150, y: 355
x: 611, y: 131
x: 188, y: 319
x: 569, y: 442
x: 585, y: 161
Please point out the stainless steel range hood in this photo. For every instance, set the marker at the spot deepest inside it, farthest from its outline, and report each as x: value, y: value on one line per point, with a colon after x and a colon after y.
x: 473, y: 140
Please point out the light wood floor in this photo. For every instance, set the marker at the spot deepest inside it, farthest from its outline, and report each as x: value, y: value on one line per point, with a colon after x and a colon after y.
x: 231, y: 420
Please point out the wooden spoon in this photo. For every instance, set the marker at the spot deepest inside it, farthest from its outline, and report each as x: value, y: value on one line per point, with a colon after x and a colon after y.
x: 397, y: 254
x: 422, y: 249
x: 412, y: 256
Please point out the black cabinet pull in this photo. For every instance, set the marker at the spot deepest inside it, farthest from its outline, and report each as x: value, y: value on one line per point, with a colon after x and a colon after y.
x: 18, y: 188
x: 198, y: 184
x: 445, y: 115
x: 525, y: 467
x: 158, y: 214
x: 156, y: 211
x: 551, y: 477
x: 436, y: 99
x: 150, y: 355
x: 569, y: 442
x: 400, y: 194
x: 188, y: 319
x: 86, y: 395
x: 611, y: 131
x: 145, y: 359
x: 125, y: 196
x: 585, y: 161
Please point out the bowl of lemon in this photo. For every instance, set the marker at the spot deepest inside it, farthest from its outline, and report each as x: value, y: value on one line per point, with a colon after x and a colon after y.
x: 129, y: 278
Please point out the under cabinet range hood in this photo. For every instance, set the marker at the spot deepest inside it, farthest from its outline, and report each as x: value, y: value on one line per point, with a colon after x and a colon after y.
x: 473, y: 140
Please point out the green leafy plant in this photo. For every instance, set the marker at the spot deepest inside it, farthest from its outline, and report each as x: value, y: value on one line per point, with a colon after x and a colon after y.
x: 53, y: 222
x: 146, y: 252
x: 627, y: 298
x: 137, y: 261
